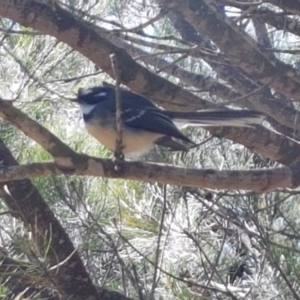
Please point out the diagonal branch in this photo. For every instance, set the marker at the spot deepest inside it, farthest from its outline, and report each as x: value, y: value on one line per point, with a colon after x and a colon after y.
x: 62, y: 154
x: 28, y: 126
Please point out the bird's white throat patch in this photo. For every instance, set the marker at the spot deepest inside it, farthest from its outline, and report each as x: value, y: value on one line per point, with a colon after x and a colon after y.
x: 87, y: 108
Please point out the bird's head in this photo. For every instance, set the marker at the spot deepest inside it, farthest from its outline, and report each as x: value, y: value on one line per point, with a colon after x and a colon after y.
x: 95, y: 95
x: 89, y: 98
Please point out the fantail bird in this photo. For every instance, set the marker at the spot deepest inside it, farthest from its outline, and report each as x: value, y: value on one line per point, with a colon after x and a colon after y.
x: 145, y: 125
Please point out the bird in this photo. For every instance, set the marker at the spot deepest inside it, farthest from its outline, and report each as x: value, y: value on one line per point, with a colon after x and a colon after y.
x: 144, y: 124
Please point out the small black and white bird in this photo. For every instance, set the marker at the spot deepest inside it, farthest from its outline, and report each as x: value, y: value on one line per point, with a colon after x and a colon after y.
x: 145, y: 125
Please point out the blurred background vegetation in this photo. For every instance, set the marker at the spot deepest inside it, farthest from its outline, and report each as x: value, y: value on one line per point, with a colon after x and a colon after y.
x: 148, y: 241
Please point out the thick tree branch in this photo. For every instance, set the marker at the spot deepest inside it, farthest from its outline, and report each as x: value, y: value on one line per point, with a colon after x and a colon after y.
x: 28, y: 126
x: 255, y: 180
x: 38, y: 133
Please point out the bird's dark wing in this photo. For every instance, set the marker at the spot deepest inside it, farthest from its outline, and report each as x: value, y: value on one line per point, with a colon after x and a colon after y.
x: 153, y: 120
x: 137, y: 101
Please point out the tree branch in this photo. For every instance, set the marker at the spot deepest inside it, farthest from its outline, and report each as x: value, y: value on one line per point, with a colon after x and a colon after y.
x: 255, y: 180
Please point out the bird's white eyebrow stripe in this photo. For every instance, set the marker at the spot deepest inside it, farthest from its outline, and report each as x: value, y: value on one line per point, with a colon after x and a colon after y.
x: 101, y: 94
x: 90, y: 92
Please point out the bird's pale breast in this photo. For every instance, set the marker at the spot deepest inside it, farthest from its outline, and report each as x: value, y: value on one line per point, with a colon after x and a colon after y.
x: 134, y: 141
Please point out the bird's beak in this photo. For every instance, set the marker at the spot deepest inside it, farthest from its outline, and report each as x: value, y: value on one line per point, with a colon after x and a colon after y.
x: 76, y: 100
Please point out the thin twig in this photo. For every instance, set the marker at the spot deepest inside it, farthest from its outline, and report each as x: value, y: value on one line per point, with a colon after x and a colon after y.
x: 139, y: 28
x: 158, y: 251
x: 252, y: 93
x: 23, y: 32
x: 118, y: 151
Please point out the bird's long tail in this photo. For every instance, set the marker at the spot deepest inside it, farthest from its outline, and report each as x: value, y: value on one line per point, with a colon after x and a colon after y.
x: 218, y: 117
